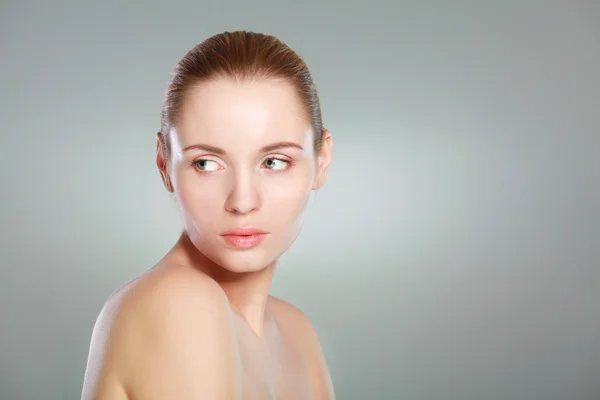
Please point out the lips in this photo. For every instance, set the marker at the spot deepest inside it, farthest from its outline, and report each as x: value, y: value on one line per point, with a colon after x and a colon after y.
x: 243, y: 231
x: 244, y: 237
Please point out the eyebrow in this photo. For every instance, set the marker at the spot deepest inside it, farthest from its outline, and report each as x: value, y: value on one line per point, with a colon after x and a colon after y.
x: 266, y: 149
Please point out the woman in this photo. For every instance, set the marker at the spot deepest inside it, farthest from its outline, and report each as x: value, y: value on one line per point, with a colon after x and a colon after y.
x: 241, y: 147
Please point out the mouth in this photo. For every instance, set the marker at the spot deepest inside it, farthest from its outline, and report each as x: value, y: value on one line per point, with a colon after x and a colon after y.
x: 244, y: 237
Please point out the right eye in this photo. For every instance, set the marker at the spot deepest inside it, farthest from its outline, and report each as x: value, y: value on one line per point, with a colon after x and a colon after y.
x: 206, y: 165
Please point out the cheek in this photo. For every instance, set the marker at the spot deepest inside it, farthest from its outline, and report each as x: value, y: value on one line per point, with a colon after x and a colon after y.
x: 198, y: 198
x: 285, y: 197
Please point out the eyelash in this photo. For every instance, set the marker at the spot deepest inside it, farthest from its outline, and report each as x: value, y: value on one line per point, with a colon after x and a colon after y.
x: 288, y: 163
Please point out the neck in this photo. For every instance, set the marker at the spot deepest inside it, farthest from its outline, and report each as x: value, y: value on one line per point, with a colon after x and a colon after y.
x: 247, y: 291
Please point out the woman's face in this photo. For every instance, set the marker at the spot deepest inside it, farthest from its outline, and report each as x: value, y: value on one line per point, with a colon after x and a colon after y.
x: 242, y: 156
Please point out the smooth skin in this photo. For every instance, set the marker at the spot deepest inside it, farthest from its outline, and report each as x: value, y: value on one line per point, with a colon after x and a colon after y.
x: 201, y: 324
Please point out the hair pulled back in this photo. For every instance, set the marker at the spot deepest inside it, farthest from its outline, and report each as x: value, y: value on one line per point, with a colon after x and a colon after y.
x: 240, y: 55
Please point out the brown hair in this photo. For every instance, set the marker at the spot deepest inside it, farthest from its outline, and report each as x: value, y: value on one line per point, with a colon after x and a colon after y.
x: 240, y: 55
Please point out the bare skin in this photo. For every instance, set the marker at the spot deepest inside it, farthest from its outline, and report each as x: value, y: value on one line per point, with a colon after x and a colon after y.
x: 201, y: 323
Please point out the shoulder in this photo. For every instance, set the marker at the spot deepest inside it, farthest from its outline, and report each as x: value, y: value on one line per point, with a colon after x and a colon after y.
x: 298, y: 324
x: 170, y: 295
x: 158, y: 293
x: 283, y: 310
x: 294, y: 321
x: 157, y: 334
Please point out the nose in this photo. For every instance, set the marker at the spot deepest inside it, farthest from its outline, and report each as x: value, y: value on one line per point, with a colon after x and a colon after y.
x: 244, y: 196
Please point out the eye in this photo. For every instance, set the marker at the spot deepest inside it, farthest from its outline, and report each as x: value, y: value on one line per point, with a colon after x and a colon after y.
x: 206, y: 165
x: 276, y: 164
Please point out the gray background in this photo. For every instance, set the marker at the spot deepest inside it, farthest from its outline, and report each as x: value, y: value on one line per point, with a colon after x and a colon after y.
x: 454, y: 252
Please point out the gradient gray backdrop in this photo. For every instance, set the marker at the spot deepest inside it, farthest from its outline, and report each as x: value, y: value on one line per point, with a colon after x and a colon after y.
x: 454, y: 252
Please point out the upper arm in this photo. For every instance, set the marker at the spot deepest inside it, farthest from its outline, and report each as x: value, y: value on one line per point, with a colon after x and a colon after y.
x: 169, y: 340
x: 101, y: 380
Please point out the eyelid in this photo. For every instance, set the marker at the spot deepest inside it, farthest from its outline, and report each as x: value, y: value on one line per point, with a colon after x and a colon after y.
x: 278, y: 158
x: 281, y: 157
x: 209, y: 157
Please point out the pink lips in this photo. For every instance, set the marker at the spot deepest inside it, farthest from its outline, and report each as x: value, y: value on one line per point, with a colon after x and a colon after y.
x: 244, y: 237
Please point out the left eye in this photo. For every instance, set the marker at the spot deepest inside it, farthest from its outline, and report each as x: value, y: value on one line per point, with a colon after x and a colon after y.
x: 275, y: 164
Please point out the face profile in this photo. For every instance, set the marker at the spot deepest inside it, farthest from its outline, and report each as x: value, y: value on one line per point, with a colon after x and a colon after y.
x: 242, y: 165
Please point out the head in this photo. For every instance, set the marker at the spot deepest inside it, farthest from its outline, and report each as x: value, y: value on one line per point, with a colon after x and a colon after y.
x: 242, y: 144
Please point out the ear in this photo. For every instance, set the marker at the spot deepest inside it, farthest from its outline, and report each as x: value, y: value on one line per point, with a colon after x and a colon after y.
x: 162, y: 163
x: 323, y: 160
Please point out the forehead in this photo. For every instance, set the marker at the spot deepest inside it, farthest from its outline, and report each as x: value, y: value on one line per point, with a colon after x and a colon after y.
x: 226, y: 112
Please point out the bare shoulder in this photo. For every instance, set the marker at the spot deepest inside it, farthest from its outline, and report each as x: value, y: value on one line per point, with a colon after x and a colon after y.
x: 298, y: 324
x: 284, y: 310
x: 294, y: 320
x: 166, y: 334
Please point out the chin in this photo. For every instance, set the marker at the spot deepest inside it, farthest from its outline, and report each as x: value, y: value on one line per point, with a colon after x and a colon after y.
x: 252, y: 260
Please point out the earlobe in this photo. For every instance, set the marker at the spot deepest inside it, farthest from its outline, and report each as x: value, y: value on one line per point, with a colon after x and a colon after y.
x: 324, y: 160
x: 161, y: 163
x: 167, y: 181
x: 320, y: 179
x: 317, y: 181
